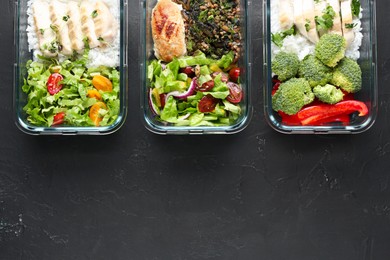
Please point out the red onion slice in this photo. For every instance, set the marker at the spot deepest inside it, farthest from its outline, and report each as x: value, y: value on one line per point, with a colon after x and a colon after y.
x: 183, y: 95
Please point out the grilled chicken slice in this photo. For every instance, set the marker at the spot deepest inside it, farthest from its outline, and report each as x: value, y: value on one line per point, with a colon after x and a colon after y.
x: 87, y: 24
x: 310, y: 23
x: 319, y: 8
x: 168, y: 30
x: 286, y: 17
x: 46, y: 35
x: 335, y: 4
x: 347, y: 21
x: 58, y: 15
x: 74, y: 25
x: 105, y: 25
x: 299, y: 18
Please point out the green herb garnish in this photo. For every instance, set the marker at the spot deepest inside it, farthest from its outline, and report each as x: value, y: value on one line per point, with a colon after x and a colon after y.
x: 94, y: 14
x: 278, y: 38
x: 307, y: 25
x: 325, y: 22
x: 66, y: 18
x: 350, y: 25
x: 355, y: 7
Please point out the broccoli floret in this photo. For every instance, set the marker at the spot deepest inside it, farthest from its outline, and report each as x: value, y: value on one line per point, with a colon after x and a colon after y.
x: 292, y: 95
x: 348, y: 76
x: 330, y: 49
x: 328, y: 94
x: 314, y: 71
x: 285, y: 65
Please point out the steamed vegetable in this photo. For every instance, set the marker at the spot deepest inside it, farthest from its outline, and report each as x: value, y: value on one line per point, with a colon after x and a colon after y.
x: 285, y: 65
x: 292, y: 95
x: 348, y: 76
x: 330, y: 49
x: 314, y: 71
x: 328, y: 94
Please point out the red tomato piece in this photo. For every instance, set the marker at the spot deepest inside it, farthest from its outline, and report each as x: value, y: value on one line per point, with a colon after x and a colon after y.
x: 58, y: 118
x: 190, y: 71
x: 235, y: 95
x: 207, y: 86
x: 207, y: 104
x: 163, y: 97
x: 234, y: 74
x: 53, y: 85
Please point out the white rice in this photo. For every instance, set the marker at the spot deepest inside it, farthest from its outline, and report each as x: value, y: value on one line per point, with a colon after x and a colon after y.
x: 302, y: 46
x: 106, y: 56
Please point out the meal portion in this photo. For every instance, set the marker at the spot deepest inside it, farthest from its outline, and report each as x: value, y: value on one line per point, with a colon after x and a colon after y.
x: 73, y: 78
x: 195, y: 79
x: 314, y: 53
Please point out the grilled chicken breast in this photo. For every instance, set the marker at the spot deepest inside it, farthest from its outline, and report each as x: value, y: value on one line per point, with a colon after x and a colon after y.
x: 310, y: 23
x: 335, y: 4
x: 74, y: 25
x: 299, y: 18
x: 87, y: 24
x: 168, y: 30
x: 286, y: 14
x: 319, y: 7
x: 58, y: 15
x: 46, y: 35
x: 347, y: 21
x: 105, y: 26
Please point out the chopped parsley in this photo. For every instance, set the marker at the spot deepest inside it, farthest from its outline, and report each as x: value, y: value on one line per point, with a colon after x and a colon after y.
x: 325, y: 22
x: 66, y: 18
x: 350, y: 25
x: 307, y: 25
x: 42, y: 31
x: 94, y: 14
x: 355, y: 7
x: 278, y: 38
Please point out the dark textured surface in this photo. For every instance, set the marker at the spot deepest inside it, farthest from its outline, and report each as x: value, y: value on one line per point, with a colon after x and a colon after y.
x: 135, y: 195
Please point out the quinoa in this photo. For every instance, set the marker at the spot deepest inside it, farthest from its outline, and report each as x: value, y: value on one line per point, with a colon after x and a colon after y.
x: 212, y: 26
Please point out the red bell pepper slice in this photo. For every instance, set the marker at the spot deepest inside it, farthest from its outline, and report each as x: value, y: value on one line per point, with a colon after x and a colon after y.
x: 313, y: 114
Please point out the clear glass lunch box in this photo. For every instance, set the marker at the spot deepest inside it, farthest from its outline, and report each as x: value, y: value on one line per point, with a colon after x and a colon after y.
x: 368, y: 94
x: 151, y: 122
x: 23, y: 55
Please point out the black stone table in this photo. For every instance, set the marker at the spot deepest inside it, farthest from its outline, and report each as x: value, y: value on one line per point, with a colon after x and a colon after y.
x: 258, y: 194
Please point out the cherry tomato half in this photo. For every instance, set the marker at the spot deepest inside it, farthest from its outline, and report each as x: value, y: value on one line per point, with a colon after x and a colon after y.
x: 234, y: 74
x: 53, y: 85
x: 58, y: 118
x: 235, y: 95
x: 190, y: 71
x: 207, y: 104
x: 207, y: 86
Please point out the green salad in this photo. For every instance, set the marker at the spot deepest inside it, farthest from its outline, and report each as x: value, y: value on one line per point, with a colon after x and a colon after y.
x: 195, y: 90
x: 68, y: 93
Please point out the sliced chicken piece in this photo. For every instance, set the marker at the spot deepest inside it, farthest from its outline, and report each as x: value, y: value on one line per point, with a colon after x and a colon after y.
x: 347, y: 21
x: 319, y: 8
x: 105, y: 24
x: 335, y: 4
x: 286, y: 14
x: 168, y: 30
x: 59, y: 18
x: 310, y: 23
x: 299, y: 19
x: 87, y: 23
x: 47, y: 38
x: 74, y: 25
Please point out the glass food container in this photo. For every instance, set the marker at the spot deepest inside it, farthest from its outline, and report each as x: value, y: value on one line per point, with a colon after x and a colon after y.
x: 351, y: 123
x: 61, y: 114
x: 190, y: 123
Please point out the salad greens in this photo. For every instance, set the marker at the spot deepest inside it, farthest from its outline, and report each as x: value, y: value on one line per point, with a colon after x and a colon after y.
x: 73, y: 99
x: 174, y: 99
